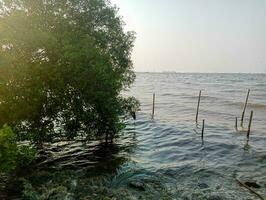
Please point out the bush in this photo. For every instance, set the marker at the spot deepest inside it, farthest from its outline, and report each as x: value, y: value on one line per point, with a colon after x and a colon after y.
x: 8, y: 150
x: 13, y: 157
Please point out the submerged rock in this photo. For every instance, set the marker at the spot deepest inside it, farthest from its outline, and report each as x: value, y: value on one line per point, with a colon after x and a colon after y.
x: 252, y: 184
x: 215, y: 197
x: 137, y: 185
x: 203, y: 185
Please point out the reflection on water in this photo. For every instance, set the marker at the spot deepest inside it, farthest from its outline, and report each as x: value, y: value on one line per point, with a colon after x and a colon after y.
x: 165, y: 158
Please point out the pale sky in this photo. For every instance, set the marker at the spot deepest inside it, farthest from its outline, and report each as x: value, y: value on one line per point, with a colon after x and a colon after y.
x: 197, y: 35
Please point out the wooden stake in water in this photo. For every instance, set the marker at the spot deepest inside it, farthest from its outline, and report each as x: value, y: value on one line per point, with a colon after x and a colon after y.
x: 236, y: 125
x: 197, y: 114
x: 250, y: 189
x: 244, y: 110
x: 203, y: 127
x: 153, y: 106
x: 249, y: 125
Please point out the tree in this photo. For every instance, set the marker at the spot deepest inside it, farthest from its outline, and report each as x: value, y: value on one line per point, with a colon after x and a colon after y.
x: 63, y: 65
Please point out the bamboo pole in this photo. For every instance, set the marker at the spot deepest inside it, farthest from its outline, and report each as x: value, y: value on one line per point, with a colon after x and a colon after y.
x: 153, y: 106
x: 244, y: 109
x: 236, y: 125
x: 249, y: 125
x: 203, y: 128
x: 197, y: 113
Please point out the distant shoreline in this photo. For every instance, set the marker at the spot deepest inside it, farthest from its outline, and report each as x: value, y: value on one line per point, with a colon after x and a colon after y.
x: 173, y: 72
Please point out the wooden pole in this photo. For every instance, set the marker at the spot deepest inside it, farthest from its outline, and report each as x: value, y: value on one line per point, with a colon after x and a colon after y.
x: 236, y: 125
x: 197, y: 113
x: 153, y: 106
x: 249, y: 125
x: 203, y: 127
x: 244, y: 110
x: 250, y: 189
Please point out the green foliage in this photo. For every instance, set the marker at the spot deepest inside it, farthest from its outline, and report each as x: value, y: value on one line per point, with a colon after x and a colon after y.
x: 63, y: 65
x: 131, y: 104
x: 8, y: 150
x: 12, y: 156
x: 26, y: 155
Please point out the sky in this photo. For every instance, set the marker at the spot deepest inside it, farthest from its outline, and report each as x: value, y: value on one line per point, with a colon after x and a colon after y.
x: 226, y: 36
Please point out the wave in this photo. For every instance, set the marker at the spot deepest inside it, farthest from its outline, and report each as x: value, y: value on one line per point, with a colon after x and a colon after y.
x: 251, y: 105
x: 260, y: 85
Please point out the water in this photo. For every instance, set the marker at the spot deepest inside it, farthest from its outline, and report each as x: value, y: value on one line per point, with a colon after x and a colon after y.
x: 165, y: 158
x: 171, y: 144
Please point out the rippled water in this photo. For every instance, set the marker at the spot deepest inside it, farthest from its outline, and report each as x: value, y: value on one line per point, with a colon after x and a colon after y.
x: 171, y: 145
x: 165, y: 158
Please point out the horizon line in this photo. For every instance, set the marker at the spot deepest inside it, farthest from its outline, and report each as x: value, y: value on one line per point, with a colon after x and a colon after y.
x: 168, y: 72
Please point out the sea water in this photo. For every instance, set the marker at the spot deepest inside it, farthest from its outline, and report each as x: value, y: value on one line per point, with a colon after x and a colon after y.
x: 166, y: 158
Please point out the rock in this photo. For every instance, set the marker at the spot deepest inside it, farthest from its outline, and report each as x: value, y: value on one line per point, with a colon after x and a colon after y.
x: 252, y: 184
x: 203, y: 185
x: 215, y: 197
x: 137, y: 185
x: 218, y: 187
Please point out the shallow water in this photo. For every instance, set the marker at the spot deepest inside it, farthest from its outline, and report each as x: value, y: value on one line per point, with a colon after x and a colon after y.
x: 165, y: 158
x: 171, y: 144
